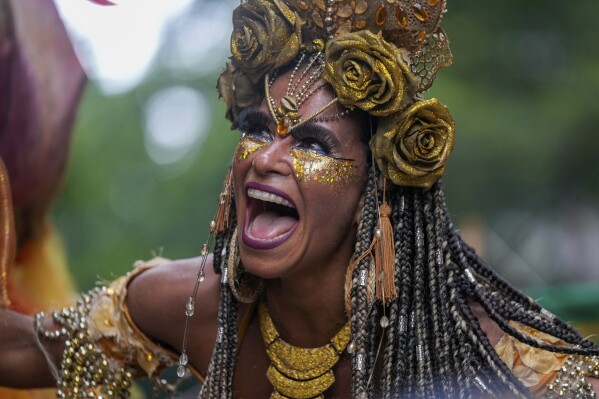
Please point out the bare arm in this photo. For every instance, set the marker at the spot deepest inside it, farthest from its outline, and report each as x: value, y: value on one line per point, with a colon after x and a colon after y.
x: 22, y: 363
x: 156, y: 301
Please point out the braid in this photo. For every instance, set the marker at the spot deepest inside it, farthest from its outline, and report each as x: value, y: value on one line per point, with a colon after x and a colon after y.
x: 219, y: 378
x: 359, y: 302
x: 434, y: 346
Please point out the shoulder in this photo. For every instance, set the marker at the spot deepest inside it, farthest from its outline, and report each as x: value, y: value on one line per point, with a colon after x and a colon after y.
x: 157, y: 296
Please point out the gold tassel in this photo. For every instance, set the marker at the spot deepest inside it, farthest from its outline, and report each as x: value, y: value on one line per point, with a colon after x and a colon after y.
x: 384, y: 254
x: 223, y: 213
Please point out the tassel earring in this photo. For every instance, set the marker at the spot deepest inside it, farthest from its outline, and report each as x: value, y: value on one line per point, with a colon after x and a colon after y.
x: 384, y: 253
x: 222, y: 220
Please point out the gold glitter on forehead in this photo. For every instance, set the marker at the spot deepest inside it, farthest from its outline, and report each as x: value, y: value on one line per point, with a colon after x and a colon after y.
x: 248, y: 145
x: 311, y: 166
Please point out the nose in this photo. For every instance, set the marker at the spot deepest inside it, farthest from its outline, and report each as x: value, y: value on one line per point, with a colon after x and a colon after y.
x: 274, y: 158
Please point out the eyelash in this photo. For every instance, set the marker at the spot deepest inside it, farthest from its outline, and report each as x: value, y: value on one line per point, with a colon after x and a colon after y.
x: 254, y: 123
x: 318, y: 137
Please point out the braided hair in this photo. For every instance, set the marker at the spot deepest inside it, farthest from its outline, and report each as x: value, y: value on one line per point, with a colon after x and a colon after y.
x: 433, y: 344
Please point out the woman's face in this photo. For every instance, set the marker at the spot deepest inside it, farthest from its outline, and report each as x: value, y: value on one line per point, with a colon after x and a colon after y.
x: 298, y: 197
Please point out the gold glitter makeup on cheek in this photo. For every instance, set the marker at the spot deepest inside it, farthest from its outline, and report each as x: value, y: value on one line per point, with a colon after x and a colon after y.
x: 248, y: 145
x: 311, y: 166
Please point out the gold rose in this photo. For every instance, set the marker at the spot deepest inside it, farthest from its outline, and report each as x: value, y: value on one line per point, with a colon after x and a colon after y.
x: 368, y: 72
x: 412, y: 148
x: 266, y: 35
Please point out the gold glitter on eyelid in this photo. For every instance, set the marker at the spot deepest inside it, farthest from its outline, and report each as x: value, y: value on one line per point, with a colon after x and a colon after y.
x: 311, y: 166
x: 248, y: 145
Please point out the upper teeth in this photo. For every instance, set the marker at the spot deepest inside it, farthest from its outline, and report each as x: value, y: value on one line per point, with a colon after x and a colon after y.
x: 268, y: 197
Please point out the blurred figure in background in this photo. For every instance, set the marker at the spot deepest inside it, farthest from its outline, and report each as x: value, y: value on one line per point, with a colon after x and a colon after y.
x: 41, y: 82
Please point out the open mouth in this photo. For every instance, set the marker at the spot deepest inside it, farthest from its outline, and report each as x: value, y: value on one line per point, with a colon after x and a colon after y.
x: 270, y: 218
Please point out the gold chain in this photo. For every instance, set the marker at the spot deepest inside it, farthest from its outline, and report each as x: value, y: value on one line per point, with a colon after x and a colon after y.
x: 300, y: 373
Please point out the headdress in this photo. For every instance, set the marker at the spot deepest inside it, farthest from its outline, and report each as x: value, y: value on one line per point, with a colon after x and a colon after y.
x: 378, y: 56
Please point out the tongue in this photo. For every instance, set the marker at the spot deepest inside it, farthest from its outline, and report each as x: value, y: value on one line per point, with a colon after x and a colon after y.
x: 269, y: 225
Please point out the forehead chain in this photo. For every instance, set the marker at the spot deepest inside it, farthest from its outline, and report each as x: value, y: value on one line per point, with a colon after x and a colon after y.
x: 286, y: 114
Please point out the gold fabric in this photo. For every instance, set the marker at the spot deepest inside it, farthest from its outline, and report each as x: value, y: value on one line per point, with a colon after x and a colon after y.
x: 109, y: 325
x: 534, y: 367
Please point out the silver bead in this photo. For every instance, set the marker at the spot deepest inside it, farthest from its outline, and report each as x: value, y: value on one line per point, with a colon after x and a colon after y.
x: 212, y: 226
x: 360, y: 360
x: 439, y: 254
x: 480, y: 384
x: 351, y: 347
x: 547, y: 314
x: 224, y: 277
x: 363, y: 277
x: 183, y: 359
x: 420, y: 354
x: 189, y: 307
x: 402, y: 324
x: 384, y: 322
x: 201, y: 276
x: 378, y: 233
x: 181, y: 370
x: 470, y: 276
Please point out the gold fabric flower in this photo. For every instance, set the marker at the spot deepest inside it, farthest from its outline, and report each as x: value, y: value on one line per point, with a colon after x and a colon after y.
x: 266, y: 36
x: 368, y: 72
x: 411, y: 149
x: 237, y: 91
x: 103, y: 318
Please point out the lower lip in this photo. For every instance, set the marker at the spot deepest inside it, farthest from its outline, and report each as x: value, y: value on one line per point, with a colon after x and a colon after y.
x: 256, y: 243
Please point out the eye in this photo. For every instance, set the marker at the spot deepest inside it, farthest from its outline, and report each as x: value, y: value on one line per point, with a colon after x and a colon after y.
x: 312, y: 144
x: 260, y: 134
x: 254, y: 123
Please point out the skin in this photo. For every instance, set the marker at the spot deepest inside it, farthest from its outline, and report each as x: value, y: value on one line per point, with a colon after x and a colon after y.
x: 304, y: 275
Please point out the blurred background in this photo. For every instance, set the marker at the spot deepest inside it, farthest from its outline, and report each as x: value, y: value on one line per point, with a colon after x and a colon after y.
x: 151, y: 144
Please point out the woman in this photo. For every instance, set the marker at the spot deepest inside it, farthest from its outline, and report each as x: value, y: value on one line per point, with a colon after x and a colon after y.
x: 337, y: 272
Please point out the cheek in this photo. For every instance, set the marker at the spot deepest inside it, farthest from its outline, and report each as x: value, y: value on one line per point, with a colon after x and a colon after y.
x: 309, y: 166
x: 247, y: 146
